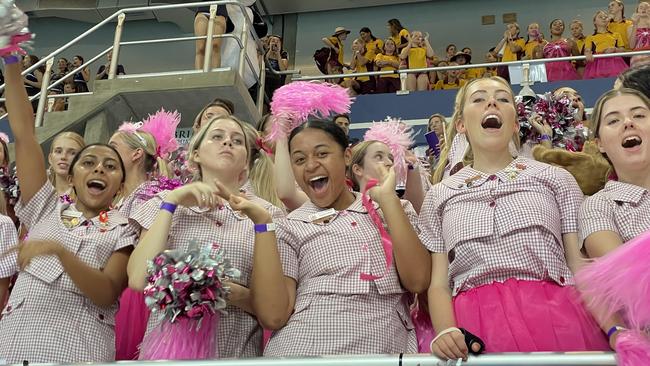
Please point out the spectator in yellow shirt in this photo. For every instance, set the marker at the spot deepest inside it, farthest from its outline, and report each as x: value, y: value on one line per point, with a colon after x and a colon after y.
x: 335, y: 42
x: 534, y: 43
x: 451, y: 52
x: 416, y: 52
x: 578, y: 37
x: 618, y: 23
x: 399, y: 34
x: 388, y: 61
x: 453, y: 80
x: 359, y: 84
x: 465, y: 59
x: 511, y: 47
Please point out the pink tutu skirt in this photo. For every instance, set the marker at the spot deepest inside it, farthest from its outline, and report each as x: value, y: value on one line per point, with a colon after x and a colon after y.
x: 130, y: 324
x: 561, y: 70
x: 609, y: 67
x: 528, y: 316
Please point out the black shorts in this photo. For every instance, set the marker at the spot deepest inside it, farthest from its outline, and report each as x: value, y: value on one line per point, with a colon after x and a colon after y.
x: 221, y: 11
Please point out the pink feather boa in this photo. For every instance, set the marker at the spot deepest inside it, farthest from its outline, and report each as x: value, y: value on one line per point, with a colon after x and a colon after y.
x: 294, y: 103
x: 398, y: 136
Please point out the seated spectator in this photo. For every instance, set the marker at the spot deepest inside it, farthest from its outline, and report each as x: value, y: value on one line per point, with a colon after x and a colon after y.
x: 69, y: 87
x: 343, y: 121
x: 82, y: 77
x: 399, y: 34
x: 388, y: 61
x: 276, y: 59
x: 453, y: 80
x: 451, y: 52
x: 102, y: 73
x: 465, y: 59
x: 416, y: 53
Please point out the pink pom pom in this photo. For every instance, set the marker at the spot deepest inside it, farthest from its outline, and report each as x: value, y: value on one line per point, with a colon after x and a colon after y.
x: 633, y: 349
x: 162, y: 126
x: 185, y: 339
x: 398, y: 136
x: 620, y: 282
x: 293, y: 103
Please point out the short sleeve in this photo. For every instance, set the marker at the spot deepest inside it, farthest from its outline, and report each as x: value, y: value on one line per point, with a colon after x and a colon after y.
x: 380, y: 44
x: 8, y: 240
x: 144, y: 216
x: 41, y: 204
x: 569, y: 197
x: 595, y: 215
x: 288, y: 254
x: 378, y: 57
x: 439, y: 85
x: 128, y: 238
x: 588, y: 44
x: 430, y: 222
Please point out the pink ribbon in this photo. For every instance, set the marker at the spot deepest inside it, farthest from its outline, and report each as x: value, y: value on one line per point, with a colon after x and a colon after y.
x: 386, y: 241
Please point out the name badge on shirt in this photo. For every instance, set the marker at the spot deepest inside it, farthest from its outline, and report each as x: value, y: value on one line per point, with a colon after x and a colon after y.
x: 72, y: 213
x: 318, y: 216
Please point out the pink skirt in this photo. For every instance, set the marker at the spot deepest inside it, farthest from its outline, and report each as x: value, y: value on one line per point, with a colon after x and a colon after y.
x: 130, y: 324
x: 605, y: 68
x: 561, y: 70
x: 528, y: 316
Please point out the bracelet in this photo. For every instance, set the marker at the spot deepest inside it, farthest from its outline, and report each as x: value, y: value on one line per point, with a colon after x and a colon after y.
x: 613, y: 330
x: 448, y: 330
x: 169, y: 207
x: 545, y: 138
x: 264, y: 228
x: 11, y: 59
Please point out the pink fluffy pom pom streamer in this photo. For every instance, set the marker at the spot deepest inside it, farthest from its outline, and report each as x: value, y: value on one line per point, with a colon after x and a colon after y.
x: 620, y: 282
x: 633, y: 349
x: 184, y: 339
x: 398, y: 136
x: 293, y: 104
x: 162, y: 126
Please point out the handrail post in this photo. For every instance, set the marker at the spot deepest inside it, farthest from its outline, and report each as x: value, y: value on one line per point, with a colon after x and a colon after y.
x: 116, y: 46
x: 207, y: 59
x: 261, y: 90
x: 43, y: 98
x: 242, y: 53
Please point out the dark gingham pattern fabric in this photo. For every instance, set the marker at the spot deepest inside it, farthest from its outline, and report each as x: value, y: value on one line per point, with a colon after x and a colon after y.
x: 8, y: 240
x: 336, y: 311
x: 619, y: 207
x: 47, y: 318
x: 501, y: 226
x: 239, y: 335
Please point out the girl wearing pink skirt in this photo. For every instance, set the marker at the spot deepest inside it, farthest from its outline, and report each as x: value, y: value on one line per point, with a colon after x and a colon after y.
x: 559, y: 47
x: 603, y: 41
x: 504, y: 243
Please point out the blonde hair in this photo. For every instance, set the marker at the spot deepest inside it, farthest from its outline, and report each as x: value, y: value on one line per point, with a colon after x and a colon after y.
x: 459, y: 105
x: 145, y: 141
x: 260, y: 169
x: 358, y: 154
x: 198, y: 138
x: 75, y: 137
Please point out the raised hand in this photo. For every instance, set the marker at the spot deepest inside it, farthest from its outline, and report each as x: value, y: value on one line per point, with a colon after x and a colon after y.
x: 196, y: 194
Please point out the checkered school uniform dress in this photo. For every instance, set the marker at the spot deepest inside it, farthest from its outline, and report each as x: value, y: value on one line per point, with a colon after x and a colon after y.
x: 502, y: 226
x: 130, y: 203
x: 8, y: 240
x: 47, y: 318
x: 619, y: 207
x: 335, y: 311
x: 239, y: 335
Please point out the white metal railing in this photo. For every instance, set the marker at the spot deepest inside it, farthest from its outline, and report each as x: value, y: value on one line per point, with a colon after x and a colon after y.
x: 524, y: 63
x: 502, y: 359
x: 120, y: 15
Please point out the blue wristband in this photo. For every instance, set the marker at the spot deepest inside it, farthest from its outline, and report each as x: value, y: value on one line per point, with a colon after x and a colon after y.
x: 169, y: 207
x: 264, y: 228
x: 545, y: 138
x: 613, y: 330
x: 11, y: 59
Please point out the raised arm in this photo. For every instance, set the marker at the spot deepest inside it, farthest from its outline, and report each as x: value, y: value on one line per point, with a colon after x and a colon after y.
x: 30, y: 163
x: 284, y: 179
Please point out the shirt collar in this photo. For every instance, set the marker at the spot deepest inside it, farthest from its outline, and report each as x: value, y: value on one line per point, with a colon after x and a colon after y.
x: 625, y: 192
x: 309, y: 208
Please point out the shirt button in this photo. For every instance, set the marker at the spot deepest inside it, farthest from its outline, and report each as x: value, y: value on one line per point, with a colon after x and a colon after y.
x: 492, y: 177
x: 101, y: 316
x: 9, y: 308
x: 218, y: 223
x: 492, y: 204
x: 562, y: 280
x: 354, y: 224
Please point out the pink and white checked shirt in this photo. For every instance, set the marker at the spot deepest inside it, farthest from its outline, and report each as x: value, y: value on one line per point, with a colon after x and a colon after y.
x: 336, y: 312
x: 48, y: 319
x: 8, y: 240
x: 239, y: 335
x: 501, y: 226
x: 619, y: 207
